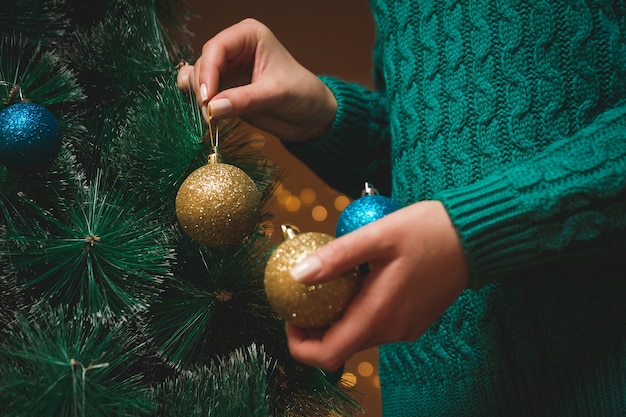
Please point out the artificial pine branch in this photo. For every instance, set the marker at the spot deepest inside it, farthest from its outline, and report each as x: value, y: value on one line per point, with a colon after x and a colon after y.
x: 58, y: 364
x: 120, y: 54
x: 12, y: 298
x: 53, y: 190
x: 153, y: 144
x: 40, y: 21
x: 215, y: 303
x: 231, y: 386
x: 103, y: 254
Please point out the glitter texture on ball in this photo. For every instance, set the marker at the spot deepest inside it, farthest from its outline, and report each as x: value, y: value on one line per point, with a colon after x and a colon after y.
x: 307, y: 306
x: 368, y: 208
x: 218, y: 205
x: 30, y: 137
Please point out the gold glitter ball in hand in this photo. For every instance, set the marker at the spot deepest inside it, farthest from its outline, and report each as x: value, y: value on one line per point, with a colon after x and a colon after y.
x: 307, y: 306
x: 218, y: 204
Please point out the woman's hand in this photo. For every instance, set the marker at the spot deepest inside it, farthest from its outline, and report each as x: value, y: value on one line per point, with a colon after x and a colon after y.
x: 416, y: 270
x: 245, y: 71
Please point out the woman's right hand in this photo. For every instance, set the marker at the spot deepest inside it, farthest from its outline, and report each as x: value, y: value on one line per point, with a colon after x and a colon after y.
x: 244, y: 71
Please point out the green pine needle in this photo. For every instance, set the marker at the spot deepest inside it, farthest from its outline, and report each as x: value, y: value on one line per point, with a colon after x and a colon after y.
x: 233, y: 386
x: 216, y: 303
x: 41, y: 75
x: 102, y: 254
x: 155, y: 141
x: 56, y: 364
x: 11, y: 297
x: 125, y: 51
x: 40, y: 21
x: 53, y: 189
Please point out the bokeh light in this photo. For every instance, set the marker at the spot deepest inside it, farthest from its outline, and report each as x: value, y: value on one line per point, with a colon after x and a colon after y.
x: 319, y: 213
x: 281, y: 194
x: 308, y: 195
x: 348, y: 379
x: 341, y: 202
x: 365, y: 369
x: 292, y: 203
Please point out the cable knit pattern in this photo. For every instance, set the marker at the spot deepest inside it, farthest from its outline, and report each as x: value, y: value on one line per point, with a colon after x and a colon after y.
x: 513, y: 115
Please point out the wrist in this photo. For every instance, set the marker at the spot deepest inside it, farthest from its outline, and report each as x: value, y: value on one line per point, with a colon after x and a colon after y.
x: 326, y: 110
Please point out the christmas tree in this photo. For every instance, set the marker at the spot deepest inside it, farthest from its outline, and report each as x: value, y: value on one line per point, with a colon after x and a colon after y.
x: 107, y: 307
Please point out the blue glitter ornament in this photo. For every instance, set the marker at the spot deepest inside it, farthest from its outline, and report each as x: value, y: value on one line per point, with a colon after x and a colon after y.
x: 30, y: 137
x: 369, y: 207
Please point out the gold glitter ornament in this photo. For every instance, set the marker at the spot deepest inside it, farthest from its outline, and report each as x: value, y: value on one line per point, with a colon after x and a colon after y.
x: 218, y: 204
x: 307, y: 306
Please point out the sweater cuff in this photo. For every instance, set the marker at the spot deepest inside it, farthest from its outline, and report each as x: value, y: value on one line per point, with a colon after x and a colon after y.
x: 357, y: 114
x: 487, y: 215
x: 354, y: 149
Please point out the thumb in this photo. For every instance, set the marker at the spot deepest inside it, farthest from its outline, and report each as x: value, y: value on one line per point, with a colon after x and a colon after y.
x: 337, y: 256
x: 239, y: 101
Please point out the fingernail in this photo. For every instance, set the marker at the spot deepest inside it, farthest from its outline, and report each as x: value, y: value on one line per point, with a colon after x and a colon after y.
x: 204, y: 94
x: 220, y: 107
x: 205, y: 114
x: 307, y: 268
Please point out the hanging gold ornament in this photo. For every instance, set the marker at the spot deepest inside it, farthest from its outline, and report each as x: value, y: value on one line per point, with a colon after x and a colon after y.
x: 218, y: 204
x: 308, y: 306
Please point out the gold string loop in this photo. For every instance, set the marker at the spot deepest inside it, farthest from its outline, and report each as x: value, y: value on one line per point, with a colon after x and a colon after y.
x: 15, y: 90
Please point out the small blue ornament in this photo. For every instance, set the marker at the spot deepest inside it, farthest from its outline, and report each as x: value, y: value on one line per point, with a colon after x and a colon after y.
x: 369, y: 207
x: 30, y: 137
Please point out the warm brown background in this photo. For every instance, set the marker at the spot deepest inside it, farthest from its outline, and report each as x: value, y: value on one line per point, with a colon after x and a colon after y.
x: 328, y: 37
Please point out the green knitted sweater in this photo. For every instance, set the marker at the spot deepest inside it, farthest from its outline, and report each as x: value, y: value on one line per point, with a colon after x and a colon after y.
x: 511, y: 113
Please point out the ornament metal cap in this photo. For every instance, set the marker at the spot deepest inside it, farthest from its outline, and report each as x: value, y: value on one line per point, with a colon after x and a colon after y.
x: 369, y: 189
x: 214, y: 158
x: 289, y: 231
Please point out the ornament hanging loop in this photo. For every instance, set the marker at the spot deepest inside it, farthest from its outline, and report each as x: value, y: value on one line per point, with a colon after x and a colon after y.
x: 15, y: 90
x: 214, y: 157
x: 214, y: 138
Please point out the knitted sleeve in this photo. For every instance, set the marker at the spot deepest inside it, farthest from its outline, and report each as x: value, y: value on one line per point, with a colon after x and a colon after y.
x: 355, y: 149
x: 568, y: 204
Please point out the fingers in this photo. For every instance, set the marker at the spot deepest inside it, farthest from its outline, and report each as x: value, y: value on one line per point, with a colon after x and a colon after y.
x: 227, y: 60
x: 231, y: 51
x: 355, y: 331
x: 186, y: 82
x: 331, y: 349
x: 339, y: 255
x: 184, y: 72
x: 244, y: 71
x: 310, y: 350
